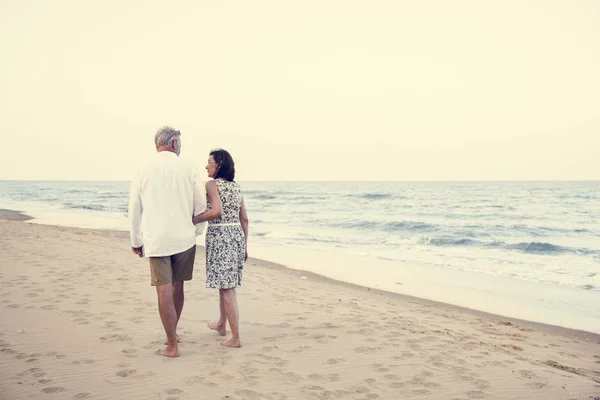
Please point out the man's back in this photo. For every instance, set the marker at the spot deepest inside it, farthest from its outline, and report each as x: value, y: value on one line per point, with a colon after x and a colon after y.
x: 164, y: 197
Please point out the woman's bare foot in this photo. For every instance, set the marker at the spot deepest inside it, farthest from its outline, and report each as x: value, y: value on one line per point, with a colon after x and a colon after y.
x: 168, y: 352
x: 222, y: 329
x: 167, y: 342
x: 232, y: 343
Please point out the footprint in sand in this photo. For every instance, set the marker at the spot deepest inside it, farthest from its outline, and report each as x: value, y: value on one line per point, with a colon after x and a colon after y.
x: 360, y: 389
x: 288, y: 376
x: 173, y: 391
x: 84, y: 361
x: 264, y: 359
x: 194, y: 380
x: 130, y: 353
x: 251, y: 380
x: 322, y: 393
x: 274, y: 338
x: 481, y: 384
x: 527, y: 374
x: 199, y: 380
x: 113, y: 338
x: 249, y: 394
x: 392, y: 377
x: 328, y: 377
x: 222, y: 375
x: 124, y: 373
x: 301, y: 348
x: 334, y: 361
x: 365, y: 349
x: 55, y: 389
x: 37, y: 372
x: 536, y: 385
x: 476, y: 394
x: 82, y: 395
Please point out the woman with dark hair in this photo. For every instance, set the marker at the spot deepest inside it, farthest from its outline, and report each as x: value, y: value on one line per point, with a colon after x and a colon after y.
x: 226, y: 240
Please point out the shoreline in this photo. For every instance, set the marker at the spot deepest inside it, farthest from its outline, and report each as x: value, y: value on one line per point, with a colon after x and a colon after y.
x: 14, y: 215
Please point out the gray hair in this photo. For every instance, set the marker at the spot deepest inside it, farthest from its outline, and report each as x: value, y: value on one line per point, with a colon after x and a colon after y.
x: 165, y: 136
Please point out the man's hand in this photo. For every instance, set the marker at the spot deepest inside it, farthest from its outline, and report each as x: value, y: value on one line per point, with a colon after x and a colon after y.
x: 138, y: 250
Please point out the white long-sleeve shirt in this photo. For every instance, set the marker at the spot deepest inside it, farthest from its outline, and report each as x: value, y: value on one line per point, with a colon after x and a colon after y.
x: 164, y: 196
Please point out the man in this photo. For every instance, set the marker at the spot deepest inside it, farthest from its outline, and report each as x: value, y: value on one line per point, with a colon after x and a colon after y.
x: 164, y: 197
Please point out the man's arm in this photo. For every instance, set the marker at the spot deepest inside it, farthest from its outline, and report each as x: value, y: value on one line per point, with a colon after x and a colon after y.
x: 135, y: 216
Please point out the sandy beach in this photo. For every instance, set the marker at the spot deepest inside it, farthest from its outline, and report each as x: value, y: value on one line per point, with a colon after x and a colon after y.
x: 79, y: 320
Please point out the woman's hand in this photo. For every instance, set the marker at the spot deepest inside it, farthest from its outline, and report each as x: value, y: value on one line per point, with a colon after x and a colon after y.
x: 198, y: 218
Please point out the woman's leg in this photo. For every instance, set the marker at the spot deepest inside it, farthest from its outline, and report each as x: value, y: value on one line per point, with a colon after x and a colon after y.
x: 221, y: 325
x: 232, y: 313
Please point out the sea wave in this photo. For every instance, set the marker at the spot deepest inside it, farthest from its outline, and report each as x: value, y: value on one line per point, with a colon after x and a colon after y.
x: 390, y: 226
x: 96, y: 207
x: 590, y: 287
x: 540, y: 248
x: 371, y: 196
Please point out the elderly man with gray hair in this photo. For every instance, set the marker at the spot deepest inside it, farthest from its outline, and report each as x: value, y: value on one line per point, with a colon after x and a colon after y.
x: 164, y: 196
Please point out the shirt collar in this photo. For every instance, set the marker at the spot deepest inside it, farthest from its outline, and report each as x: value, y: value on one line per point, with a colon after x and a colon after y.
x: 166, y: 153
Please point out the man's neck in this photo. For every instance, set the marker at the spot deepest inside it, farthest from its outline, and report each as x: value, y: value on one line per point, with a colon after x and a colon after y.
x: 165, y: 148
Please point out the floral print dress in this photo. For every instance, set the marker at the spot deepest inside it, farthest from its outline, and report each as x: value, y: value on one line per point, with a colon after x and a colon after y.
x: 225, y: 244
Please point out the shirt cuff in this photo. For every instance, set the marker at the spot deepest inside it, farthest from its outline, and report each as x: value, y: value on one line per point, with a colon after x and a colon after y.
x: 200, y: 228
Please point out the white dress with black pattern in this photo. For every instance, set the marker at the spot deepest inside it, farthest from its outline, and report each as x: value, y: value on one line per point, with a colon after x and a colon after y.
x: 225, y: 244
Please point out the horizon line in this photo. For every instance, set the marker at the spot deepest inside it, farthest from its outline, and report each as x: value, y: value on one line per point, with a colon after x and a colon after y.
x: 325, y: 180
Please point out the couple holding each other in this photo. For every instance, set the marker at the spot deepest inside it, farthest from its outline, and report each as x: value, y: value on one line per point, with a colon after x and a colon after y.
x: 168, y: 210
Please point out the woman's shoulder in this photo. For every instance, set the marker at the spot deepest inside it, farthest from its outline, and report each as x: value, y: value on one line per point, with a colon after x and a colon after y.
x: 222, y: 183
x: 212, y: 183
x: 225, y: 182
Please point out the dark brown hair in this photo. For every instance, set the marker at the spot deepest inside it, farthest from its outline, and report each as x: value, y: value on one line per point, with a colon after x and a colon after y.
x: 226, y: 168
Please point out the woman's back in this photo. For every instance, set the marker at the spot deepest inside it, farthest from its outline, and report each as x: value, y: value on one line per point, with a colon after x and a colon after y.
x: 230, y: 194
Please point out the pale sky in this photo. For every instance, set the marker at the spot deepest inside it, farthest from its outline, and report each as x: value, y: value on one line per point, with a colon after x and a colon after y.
x: 304, y: 90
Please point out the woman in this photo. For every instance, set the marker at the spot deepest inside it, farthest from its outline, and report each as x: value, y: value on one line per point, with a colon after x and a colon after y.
x: 226, y: 240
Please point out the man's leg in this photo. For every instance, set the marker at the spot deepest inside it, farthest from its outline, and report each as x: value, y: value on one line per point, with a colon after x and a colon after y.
x: 162, y: 277
x: 183, y: 270
x: 221, y: 325
x: 168, y: 316
x: 178, y: 297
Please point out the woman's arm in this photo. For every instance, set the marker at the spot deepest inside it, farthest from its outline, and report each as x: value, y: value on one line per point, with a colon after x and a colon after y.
x: 216, y: 208
x: 244, y: 221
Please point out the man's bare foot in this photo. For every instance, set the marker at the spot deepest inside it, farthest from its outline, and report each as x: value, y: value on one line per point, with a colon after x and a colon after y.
x: 232, y: 343
x: 167, y: 352
x: 222, y: 329
x: 167, y: 342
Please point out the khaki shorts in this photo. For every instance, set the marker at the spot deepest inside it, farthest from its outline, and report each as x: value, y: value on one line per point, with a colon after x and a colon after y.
x: 178, y: 267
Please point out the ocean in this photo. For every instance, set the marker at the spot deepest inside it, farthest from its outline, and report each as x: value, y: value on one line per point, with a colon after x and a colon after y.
x: 517, y: 237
